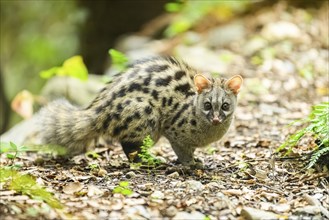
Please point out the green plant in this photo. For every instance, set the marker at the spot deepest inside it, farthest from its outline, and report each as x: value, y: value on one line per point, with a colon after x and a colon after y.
x: 145, y: 154
x: 318, y: 127
x: 12, y: 151
x: 123, y: 188
x: 26, y: 184
x: 73, y: 67
x: 190, y: 12
x: 22, y: 183
x: 119, y: 60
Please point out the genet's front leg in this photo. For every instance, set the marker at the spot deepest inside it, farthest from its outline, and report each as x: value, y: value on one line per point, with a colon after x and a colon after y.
x: 184, y: 153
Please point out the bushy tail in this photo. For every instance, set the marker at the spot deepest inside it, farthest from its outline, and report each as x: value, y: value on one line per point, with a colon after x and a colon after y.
x: 61, y: 123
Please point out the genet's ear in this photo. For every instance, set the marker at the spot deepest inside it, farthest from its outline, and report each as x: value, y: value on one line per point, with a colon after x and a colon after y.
x: 201, y: 83
x: 234, y: 84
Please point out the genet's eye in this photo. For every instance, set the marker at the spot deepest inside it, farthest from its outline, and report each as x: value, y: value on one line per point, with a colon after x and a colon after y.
x: 225, y: 106
x: 207, y: 106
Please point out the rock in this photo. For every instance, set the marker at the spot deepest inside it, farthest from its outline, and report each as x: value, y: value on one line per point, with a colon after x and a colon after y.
x: 213, y: 186
x: 309, y: 209
x: 59, y: 87
x: 253, y: 45
x: 254, y: 214
x: 195, y: 185
x: 101, y: 172
x: 130, y: 175
x: 195, y: 215
x: 157, y: 195
x: 224, y: 35
x: 281, y: 30
x: 171, y: 211
x: 174, y: 175
x: 131, y: 42
x: 202, y: 58
x: 191, y: 38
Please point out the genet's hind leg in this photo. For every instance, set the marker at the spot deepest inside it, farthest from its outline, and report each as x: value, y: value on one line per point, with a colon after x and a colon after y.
x: 132, y: 149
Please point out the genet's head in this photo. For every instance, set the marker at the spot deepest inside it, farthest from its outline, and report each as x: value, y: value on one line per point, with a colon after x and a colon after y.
x: 217, y: 98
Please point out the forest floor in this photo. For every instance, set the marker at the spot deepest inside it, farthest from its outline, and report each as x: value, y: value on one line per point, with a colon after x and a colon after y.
x: 282, y: 52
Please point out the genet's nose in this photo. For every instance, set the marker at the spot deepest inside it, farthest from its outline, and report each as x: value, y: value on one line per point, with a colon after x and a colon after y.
x: 216, y: 120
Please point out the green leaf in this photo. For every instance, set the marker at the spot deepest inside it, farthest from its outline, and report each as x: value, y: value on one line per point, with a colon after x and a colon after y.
x: 119, y: 60
x: 26, y: 184
x: 173, y: 7
x: 73, y: 67
x: 10, y: 156
x: 124, y: 184
x: 5, y: 147
x: 126, y: 192
x: 47, y: 74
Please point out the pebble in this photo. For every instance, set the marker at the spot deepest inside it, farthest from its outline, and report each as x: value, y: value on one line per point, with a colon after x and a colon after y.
x: 224, y: 35
x: 254, y: 45
x: 195, y: 215
x: 281, y: 30
x: 213, y: 186
x: 174, y: 175
x: 171, y: 211
x: 130, y: 175
x: 195, y: 185
x: 102, y: 172
x: 157, y: 195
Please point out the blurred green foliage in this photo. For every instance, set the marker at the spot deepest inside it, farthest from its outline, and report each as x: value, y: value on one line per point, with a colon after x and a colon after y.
x: 73, y: 67
x: 27, y: 185
x: 190, y: 12
x: 35, y: 35
x: 119, y: 60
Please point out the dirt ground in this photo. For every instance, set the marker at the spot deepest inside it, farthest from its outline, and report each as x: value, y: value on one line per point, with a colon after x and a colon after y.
x: 283, y: 56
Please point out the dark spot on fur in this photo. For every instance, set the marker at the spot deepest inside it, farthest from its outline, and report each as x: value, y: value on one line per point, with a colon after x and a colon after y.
x: 156, y: 68
x: 127, y: 102
x: 107, y: 121
x: 121, y: 92
x: 193, y: 122
x: 133, y: 135
x: 163, y: 81
x: 116, y: 116
x: 155, y: 94
x: 117, y: 130
x: 151, y: 104
x: 119, y: 107
x: 139, y: 99
x: 184, y: 88
x: 183, y: 121
x: 147, y: 81
x: 173, y: 61
x: 179, y: 74
x: 170, y: 101
x: 164, y: 100
x: 137, y: 115
x: 176, y: 106
x: 148, y: 110
x: 178, y: 114
x: 129, y: 119
x: 145, y: 90
x: 134, y: 87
